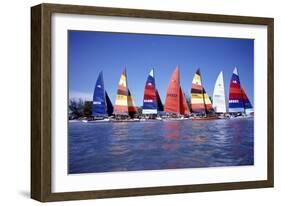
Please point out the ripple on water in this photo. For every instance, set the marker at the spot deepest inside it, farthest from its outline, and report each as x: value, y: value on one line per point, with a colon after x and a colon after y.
x: 152, y: 145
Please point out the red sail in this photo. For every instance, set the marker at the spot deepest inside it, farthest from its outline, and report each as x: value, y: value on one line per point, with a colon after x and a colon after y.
x: 131, y: 104
x: 172, y: 103
x: 184, y: 110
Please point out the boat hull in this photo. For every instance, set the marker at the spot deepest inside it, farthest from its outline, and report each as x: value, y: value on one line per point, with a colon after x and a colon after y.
x: 205, y: 118
x: 125, y: 120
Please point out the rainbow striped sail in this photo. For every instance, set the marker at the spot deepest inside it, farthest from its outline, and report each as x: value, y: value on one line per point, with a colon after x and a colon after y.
x: 199, y: 100
x: 124, y: 104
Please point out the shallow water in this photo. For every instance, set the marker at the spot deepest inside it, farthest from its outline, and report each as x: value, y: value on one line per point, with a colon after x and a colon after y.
x: 151, y: 145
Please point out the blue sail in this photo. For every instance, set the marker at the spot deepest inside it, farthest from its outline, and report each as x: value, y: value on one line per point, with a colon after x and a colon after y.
x: 235, y: 103
x: 108, y: 105
x: 150, y: 96
x: 247, y: 104
x: 160, y: 106
x: 99, y: 101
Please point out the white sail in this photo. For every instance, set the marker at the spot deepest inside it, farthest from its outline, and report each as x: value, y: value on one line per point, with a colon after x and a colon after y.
x: 219, y: 101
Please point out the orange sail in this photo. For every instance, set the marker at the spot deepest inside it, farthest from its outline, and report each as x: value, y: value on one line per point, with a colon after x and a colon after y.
x: 184, y: 110
x: 172, y: 102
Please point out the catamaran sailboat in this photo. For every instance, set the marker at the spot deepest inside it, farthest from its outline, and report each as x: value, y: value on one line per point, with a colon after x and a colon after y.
x: 101, y: 107
x: 219, y: 98
x: 124, y: 108
x: 152, y: 103
x: 201, y: 105
x: 239, y: 104
x: 176, y: 104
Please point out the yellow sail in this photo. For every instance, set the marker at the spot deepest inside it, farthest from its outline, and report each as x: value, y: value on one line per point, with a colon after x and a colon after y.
x: 124, y: 103
x: 196, y: 97
x: 121, y: 102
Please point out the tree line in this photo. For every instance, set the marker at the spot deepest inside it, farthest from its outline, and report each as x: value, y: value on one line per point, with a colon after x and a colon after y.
x: 79, y: 108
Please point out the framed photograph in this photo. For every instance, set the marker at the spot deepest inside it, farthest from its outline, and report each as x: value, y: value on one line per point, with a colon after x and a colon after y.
x: 130, y: 102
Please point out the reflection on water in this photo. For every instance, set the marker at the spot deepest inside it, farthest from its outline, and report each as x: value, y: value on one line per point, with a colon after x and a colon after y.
x: 104, y: 147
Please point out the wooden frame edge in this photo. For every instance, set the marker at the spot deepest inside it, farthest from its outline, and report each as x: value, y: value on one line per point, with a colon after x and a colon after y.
x: 36, y: 58
x: 41, y: 101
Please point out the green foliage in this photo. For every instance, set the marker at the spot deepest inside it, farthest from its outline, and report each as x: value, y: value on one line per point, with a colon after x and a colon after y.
x: 76, y: 109
x: 87, y: 109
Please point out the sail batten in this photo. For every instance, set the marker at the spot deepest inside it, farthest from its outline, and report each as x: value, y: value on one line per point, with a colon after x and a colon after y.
x: 219, y: 99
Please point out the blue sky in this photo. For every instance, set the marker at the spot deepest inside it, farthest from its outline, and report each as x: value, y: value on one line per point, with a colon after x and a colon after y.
x: 90, y: 52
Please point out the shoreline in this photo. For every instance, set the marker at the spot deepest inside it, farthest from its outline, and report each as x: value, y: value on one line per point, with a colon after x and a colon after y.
x: 157, y: 120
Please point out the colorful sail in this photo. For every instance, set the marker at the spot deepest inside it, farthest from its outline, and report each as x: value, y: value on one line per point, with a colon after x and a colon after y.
x: 121, y: 102
x: 124, y: 104
x: 184, y: 110
x: 132, y: 109
x: 172, y: 103
x: 235, y: 103
x: 150, y: 101
x: 109, y: 105
x: 160, y: 106
x: 219, y: 100
x: 247, y: 104
x: 207, y: 102
x: 99, y: 102
x: 196, y: 98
